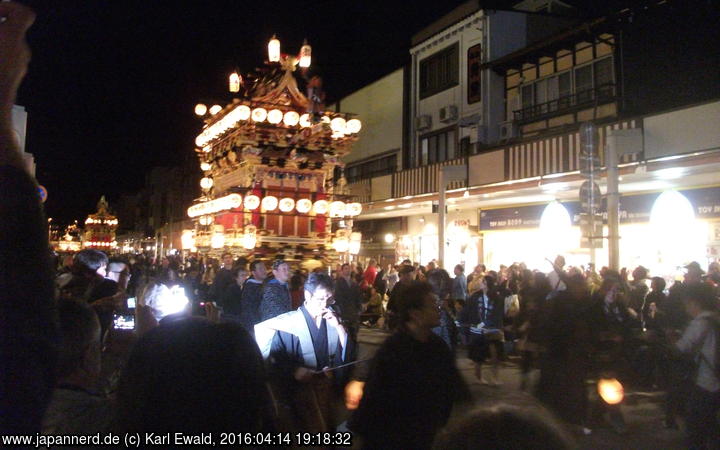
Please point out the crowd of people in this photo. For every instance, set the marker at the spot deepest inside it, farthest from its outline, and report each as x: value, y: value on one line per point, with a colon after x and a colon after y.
x: 264, y: 346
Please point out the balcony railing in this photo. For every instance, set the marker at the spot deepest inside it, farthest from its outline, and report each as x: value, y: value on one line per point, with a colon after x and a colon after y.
x: 599, y: 95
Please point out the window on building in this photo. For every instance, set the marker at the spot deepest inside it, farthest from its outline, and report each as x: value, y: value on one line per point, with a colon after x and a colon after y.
x: 583, y: 82
x: 439, y: 71
x: 527, y: 96
x: 603, y: 76
x: 438, y: 147
x: 573, y: 87
x: 374, y: 168
x: 474, y: 57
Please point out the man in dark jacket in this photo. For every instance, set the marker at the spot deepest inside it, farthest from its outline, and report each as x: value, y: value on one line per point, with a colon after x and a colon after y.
x: 252, y: 295
x: 348, y: 298
x: 223, y: 279
x: 276, y: 295
x: 413, y: 379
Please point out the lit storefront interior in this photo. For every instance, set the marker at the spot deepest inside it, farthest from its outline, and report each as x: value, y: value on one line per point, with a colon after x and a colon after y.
x: 668, y: 217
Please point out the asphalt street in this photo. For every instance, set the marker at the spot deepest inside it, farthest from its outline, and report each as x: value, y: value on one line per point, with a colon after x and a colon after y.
x: 643, y: 412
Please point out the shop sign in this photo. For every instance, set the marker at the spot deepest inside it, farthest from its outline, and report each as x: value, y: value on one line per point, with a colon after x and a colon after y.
x: 633, y: 209
x: 461, y: 223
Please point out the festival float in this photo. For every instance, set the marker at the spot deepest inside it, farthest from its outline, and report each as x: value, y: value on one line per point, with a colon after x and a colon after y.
x: 70, y: 241
x: 100, y: 228
x: 273, y: 183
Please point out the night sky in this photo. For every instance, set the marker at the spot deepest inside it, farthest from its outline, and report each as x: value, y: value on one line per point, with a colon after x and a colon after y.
x: 112, y: 84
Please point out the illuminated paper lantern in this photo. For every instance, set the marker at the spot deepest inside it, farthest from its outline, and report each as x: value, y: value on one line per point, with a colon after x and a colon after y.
x: 291, y: 118
x: 274, y: 49
x: 259, y: 114
x: 275, y: 116
x: 305, y: 55
x: 305, y: 121
x: 338, y: 125
x: 234, y: 82
x: 303, y: 206
x: 200, y: 109
x: 206, y: 183
x: 337, y: 209
x: 269, y: 203
x: 353, y: 209
x: 251, y: 202
x: 320, y: 207
x: 217, y: 240
x: 353, y: 126
x: 287, y: 204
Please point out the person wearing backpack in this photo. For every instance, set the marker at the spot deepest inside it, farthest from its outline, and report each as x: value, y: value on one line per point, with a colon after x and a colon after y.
x: 700, y: 341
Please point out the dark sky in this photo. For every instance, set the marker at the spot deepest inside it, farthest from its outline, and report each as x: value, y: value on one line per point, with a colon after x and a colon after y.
x: 112, y: 84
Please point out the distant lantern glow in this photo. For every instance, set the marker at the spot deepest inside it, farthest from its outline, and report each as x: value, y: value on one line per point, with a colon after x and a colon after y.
x: 275, y: 116
x: 206, y: 220
x: 353, y: 209
x: 338, y: 125
x: 354, y: 247
x: 269, y: 203
x: 341, y: 245
x: 305, y: 121
x: 555, y: 228
x: 303, y: 206
x: 259, y: 114
x: 287, y: 204
x: 305, y: 55
x: 291, y: 118
x: 243, y: 112
x: 274, y: 49
x: 188, y: 239
x: 320, y: 207
x: 353, y: 126
x: 249, y: 241
x: 200, y: 109
x: 234, y: 82
x: 206, y: 183
x: 611, y: 391
x: 217, y: 240
x: 251, y: 202
x: 214, y: 109
x: 337, y: 209
x: 205, y: 166
x: 389, y: 238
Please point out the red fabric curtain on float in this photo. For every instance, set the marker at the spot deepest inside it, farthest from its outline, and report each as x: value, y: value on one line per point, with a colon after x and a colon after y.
x: 320, y: 219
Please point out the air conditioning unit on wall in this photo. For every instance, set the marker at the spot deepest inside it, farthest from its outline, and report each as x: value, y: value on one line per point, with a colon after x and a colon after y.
x: 508, y: 130
x: 478, y: 134
x: 448, y: 113
x: 423, y: 122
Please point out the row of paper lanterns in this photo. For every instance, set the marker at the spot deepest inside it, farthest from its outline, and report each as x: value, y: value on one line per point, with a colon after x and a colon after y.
x: 339, y: 125
x: 98, y: 221
x: 271, y: 203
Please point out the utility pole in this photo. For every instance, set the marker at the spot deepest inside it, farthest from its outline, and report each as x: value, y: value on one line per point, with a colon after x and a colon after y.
x: 448, y: 174
x: 619, y: 143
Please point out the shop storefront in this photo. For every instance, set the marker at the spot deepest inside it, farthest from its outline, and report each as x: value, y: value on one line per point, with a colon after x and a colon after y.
x: 461, y: 239
x: 661, y: 230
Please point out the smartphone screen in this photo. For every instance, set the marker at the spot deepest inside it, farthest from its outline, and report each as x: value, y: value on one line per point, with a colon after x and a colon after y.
x: 131, y: 303
x: 124, y: 322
